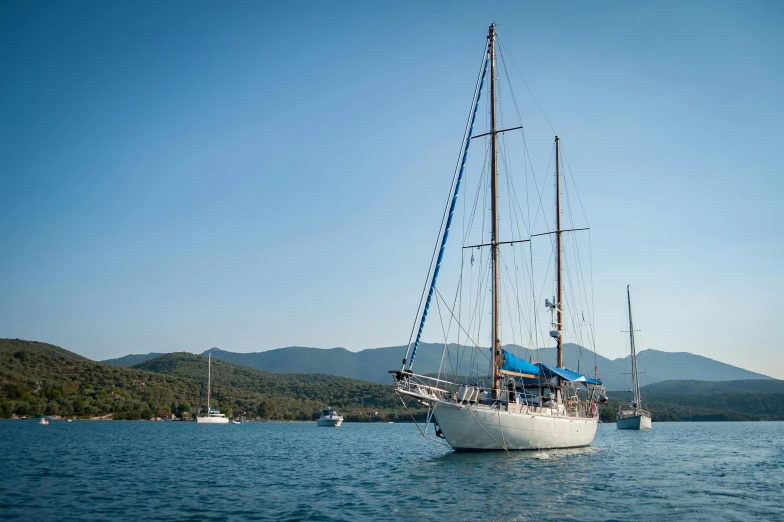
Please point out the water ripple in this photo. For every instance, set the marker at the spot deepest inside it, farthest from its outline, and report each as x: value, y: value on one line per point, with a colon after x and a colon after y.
x: 280, y: 471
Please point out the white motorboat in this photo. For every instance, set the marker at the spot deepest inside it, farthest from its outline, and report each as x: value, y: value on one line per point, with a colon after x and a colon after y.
x: 330, y: 418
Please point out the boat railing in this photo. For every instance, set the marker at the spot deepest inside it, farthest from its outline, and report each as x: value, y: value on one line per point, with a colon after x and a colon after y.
x: 422, y: 384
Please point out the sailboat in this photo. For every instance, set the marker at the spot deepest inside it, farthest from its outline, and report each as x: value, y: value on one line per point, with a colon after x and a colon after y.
x: 632, y: 416
x: 523, y: 405
x: 213, y: 416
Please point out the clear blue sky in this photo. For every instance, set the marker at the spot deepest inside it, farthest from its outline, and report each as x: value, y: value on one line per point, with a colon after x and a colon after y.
x: 252, y: 175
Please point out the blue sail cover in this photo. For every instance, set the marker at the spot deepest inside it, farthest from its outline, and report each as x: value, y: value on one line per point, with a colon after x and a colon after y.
x: 517, y: 365
x: 549, y: 372
x: 543, y: 371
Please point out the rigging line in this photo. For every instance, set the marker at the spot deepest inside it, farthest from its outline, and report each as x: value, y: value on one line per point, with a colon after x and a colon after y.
x: 513, y: 217
x: 417, y: 424
x: 540, y: 192
x: 571, y: 222
x: 479, y: 307
x: 593, y: 301
x: 467, y: 230
x: 579, y: 261
x: 535, y: 336
x: 444, y: 351
x: 457, y: 321
x: 451, y: 210
x: 517, y: 298
x: 472, y: 218
x: 581, y: 294
x: 581, y: 297
x: 516, y: 287
x: 541, y: 294
x: 520, y: 121
x: 502, y: 47
x: 458, y: 292
x: 483, y: 228
x: 516, y: 200
x: 465, y: 133
x: 484, y: 273
x: 488, y: 433
x: 579, y: 199
x: 591, y: 308
x: 500, y: 427
x: 458, y: 356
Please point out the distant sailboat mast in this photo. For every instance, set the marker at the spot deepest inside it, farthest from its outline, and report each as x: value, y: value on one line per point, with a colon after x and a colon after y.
x: 209, y: 367
x: 633, y: 417
x: 635, y: 384
x: 496, y: 333
x: 559, y: 250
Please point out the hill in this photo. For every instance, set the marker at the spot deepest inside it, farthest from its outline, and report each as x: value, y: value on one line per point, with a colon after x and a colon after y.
x: 373, y: 364
x: 664, y: 366
x: 736, y: 406
x: 132, y: 359
x: 692, y: 387
x: 39, y: 378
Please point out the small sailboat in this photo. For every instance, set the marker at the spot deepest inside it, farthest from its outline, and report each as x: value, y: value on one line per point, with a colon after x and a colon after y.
x: 43, y: 422
x: 520, y: 405
x: 213, y: 416
x: 330, y: 418
x: 632, y: 416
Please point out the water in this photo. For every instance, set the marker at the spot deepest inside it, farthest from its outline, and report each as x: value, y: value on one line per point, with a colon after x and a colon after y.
x: 91, y: 470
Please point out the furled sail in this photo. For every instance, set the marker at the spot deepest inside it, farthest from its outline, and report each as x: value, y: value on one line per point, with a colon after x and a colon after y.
x: 515, y: 365
x: 549, y: 372
x: 519, y: 366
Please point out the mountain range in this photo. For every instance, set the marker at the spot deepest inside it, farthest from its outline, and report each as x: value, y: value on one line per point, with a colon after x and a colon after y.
x: 373, y: 364
x: 38, y: 378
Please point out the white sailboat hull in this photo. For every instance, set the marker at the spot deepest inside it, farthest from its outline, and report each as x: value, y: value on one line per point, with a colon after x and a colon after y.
x: 638, y: 422
x: 212, y: 420
x: 472, y: 428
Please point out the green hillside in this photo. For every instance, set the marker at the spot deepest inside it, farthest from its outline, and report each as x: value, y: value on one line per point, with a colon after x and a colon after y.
x: 692, y: 405
x: 373, y: 364
x: 132, y: 359
x: 39, y: 378
x: 690, y: 387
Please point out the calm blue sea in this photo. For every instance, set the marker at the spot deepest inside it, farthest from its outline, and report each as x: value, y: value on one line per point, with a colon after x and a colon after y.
x: 90, y: 470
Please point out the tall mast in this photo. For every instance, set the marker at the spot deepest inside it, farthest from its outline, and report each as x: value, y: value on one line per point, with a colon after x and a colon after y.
x: 209, y: 365
x: 559, y: 248
x: 496, y: 335
x: 635, y: 386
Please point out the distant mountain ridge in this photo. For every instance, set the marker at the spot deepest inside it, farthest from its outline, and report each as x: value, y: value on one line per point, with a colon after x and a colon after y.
x: 695, y: 387
x: 373, y: 364
x: 132, y: 359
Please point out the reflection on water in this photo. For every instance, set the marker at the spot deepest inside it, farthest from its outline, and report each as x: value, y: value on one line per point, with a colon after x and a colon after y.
x: 282, y: 471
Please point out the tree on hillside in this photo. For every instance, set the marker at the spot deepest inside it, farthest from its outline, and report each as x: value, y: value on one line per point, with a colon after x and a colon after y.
x: 267, y: 409
x: 182, y: 409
